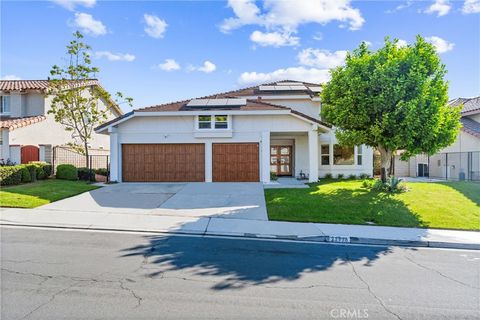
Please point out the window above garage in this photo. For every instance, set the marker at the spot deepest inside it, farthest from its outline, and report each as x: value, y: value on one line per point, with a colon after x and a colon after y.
x: 213, y: 122
x: 213, y: 126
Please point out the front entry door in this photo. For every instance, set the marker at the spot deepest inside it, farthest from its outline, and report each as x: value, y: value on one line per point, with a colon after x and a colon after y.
x: 281, y: 160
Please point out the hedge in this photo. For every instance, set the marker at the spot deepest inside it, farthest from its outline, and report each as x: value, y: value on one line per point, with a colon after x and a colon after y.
x: 26, y: 176
x: 102, y: 171
x: 44, y: 170
x: 67, y: 172
x: 10, y: 175
x: 86, y: 174
x: 33, y: 171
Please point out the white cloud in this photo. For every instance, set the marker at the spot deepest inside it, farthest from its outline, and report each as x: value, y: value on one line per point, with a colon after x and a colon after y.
x: 11, y: 77
x: 440, y: 7
x: 284, y: 17
x: 471, y: 6
x: 274, y: 39
x: 321, y: 58
x: 156, y: 27
x: 317, y: 36
x: 402, y: 43
x: 71, y: 4
x: 115, y: 56
x: 441, y: 45
x: 169, y: 65
x: 313, y: 75
x: 400, y: 7
x: 368, y: 43
x: 86, y: 23
x: 207, y: 67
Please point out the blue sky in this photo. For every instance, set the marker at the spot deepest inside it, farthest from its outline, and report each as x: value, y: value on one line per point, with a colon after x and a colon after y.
x: 161, y: 51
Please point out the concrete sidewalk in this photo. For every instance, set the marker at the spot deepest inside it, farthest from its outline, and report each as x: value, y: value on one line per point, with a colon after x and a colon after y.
x: 318, y: 232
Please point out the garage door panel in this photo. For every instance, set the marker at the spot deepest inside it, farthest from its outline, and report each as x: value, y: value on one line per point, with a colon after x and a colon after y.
x: 163, y: 162
x: 235, y: 162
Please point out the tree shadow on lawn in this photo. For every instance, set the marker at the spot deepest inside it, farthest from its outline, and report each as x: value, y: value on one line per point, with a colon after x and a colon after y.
x: 470, y: 189
x: 236, y: 263
x: 345, y: 205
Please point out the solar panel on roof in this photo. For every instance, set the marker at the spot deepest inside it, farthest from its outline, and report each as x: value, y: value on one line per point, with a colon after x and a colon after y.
x: 289, y: 84
x: 266, y: 88
x: 197, y: 103
x: 216, y: 102
x: 315, y: 89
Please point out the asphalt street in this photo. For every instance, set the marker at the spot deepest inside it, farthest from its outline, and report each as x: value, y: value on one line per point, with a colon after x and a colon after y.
x: 59, y: 274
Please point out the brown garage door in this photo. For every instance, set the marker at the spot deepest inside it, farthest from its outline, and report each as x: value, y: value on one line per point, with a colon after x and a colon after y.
x: 163, y: 162
x: 235, y: 162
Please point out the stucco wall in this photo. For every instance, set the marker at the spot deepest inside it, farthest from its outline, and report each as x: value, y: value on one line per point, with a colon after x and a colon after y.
x: 33, y: 104
x: 306, y: 106
x: 465, y: 143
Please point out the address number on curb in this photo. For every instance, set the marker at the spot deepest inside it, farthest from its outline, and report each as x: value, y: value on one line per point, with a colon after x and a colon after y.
x: 338, y: 239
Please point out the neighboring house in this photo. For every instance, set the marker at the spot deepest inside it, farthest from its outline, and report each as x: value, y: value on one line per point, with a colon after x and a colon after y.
x: 241, y: 135
x: 459, y: 161
x: 28, y: 132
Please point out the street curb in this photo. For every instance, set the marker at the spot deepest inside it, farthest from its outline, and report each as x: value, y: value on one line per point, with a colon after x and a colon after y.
x: 310, y: 239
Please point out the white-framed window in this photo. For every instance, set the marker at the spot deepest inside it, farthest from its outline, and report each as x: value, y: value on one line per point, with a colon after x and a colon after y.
x: 359, y: 154
x: 4, y: 104
x: 204, y: 122
x: 343, y: 155
x: 217, y: 122
x: 325, y: 154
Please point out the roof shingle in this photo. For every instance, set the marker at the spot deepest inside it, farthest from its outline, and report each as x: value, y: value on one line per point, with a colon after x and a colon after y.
x: 470, y: 126
x: 17, y: 85
x: 469, y: 104
x: 15, y: 123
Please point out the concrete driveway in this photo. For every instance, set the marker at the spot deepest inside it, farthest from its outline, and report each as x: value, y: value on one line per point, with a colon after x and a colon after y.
x: 226, y: 200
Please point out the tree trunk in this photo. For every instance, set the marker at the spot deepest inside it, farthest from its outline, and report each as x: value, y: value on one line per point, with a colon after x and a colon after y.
x: 87, y: 160
x: 386, y: 160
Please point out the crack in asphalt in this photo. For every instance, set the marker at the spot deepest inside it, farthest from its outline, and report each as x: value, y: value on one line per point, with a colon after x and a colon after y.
x: 49, y: 301
x: 371, y: 292
x: 131, y: 291
x: 440, y: 273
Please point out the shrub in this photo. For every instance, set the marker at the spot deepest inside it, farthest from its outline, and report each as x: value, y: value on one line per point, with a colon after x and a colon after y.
x: 273, y: 176
x: 368, y: 184
x: 328, y: 176
x: 32, y: 169
x: 10, y: 175
x: 104, y: 172
x: 391, y: 186
x: 352, y: 176
x: 67, y: 172
x: 86, y: 174
x: 26, y: 177
x: 364, y: 176
x: 45, y: 167
x: 340, y: 176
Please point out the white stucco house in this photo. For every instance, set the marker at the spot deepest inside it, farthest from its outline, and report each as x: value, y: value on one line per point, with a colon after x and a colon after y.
x: 460, y: 160
x: 241, y: 135
x: 27, y: 131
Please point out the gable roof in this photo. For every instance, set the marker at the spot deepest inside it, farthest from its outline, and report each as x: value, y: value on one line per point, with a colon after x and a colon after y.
x: 470, y: 126
x: 15, y: 123
x: 470, y: 105
x: 251, y: 105
x: 42, y: 85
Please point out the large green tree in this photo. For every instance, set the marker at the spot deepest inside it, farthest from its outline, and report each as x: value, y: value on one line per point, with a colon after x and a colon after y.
x: 75, y: 99
x: 392, y: 99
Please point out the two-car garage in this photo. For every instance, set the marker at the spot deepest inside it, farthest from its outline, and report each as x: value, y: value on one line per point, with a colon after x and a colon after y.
x: 231, y: 162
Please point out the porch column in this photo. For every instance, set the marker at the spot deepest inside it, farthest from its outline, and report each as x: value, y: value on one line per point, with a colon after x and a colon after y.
x: 208, y: 162
x: 115, y: 164
x: 313, y: 154
x: 265, y: 157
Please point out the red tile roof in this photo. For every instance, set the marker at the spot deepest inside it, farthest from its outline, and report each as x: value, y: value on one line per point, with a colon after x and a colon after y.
x: 15, y: 85
x: 15, y: 123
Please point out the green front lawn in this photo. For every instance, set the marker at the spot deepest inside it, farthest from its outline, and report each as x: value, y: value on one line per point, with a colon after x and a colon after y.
x: 450, y: 205
x: 38, y: 193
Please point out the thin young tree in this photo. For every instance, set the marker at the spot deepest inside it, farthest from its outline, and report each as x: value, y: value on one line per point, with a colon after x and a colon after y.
x: 75, y: 97
x: 392, y: 99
